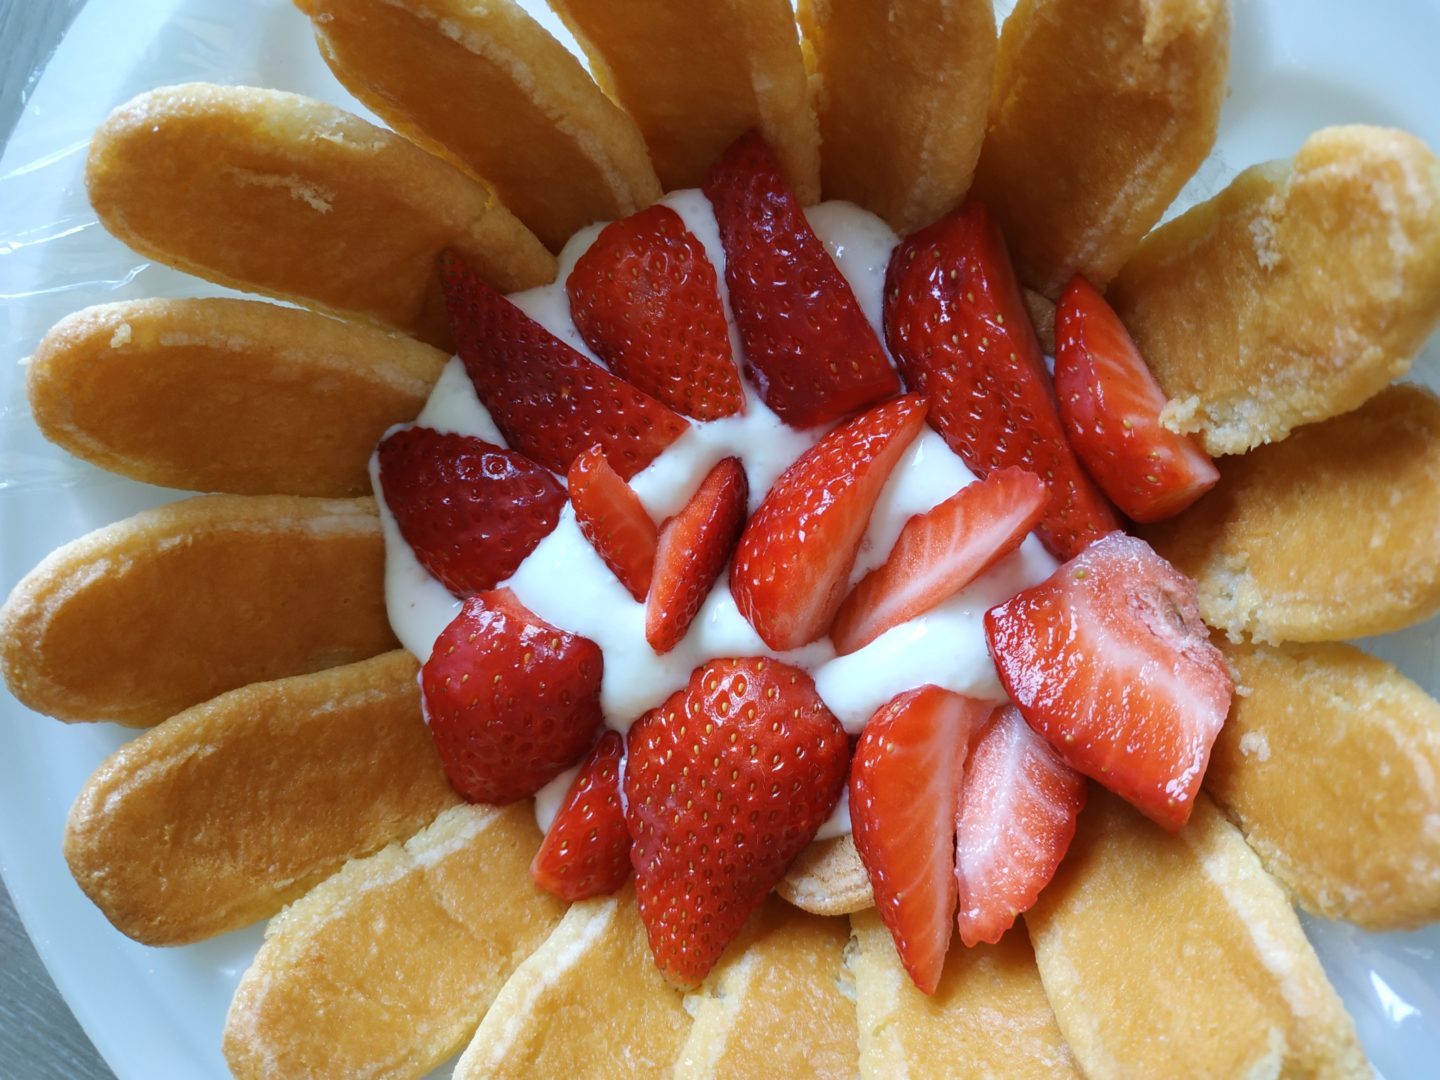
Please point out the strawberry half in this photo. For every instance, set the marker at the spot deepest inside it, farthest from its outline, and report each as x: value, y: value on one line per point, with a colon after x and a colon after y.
x: 939, y: 552
x: 1111, y: 407
x: 904, y: 787
x: 1108, y: 660
x: 1018, y: 807
x: 511, y: 701
x: 586, y: 852
x: 644, y: 297
x: 808, y: 347
x: 957, y: 325
x: 794, y: 558
x: 614, y: 520
x: 726, y: 783
x: 550, y: 402
x: 694, y: 547
x: 470, y: 510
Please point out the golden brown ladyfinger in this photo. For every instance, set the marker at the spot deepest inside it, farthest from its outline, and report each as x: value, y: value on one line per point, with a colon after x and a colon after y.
x: 278, y: 194
x: 1178, y: 955
x: 485, y: 87
x: 589, y: 1003
x: 1327, y: 535
x: 230, y: 810
x: 1101, y: 110
x: 227, y: 395
x: 175, y: 605
x: 828, y: 879
x: 987, y: 1017
x: 1296, y: 293
x: 696, y: 76
x: 902, y: 91
x: 385, y: 969
x: 1330, y: 764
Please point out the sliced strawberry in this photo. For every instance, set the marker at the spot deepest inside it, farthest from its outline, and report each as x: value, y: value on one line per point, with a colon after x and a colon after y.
x: 1018, y: 806
x: 614, y: 520
x: 726, y: 783
x: 1108, y: 659
x: 511, y: 701
x: 550, y: 402
x: 694, y: 547
x: 939, y: 552
x: 904, y: 787
x: 470, y: 510
x: 644, y: 297
x: 587, y: 850
x: 807, y: 345
x: 958, y: 326
x: 794, y: 558
x: 1111, y: 407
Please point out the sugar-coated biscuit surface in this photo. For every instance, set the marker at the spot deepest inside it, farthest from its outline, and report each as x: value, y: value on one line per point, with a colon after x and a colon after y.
x: 902, y: 92
x: 1177, y: 955
x: 988, y: 1016
x: 484, y: 86
x: 828, y: 878
x: 282, y: 195
x: 227, y: 395
x: 1330, y: 764
x: 1102, y: 109
x: 1327, y: 535
x: 228, y: 811
x: 385, y: 969
x: 168, y: 608
x: 1296, y: 293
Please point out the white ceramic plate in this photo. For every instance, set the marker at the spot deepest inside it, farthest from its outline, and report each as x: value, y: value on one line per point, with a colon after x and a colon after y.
x: 1297, y: 65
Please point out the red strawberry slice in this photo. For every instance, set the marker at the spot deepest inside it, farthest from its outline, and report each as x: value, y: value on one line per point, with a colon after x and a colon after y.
x: 550, y: 402
x: 587, y: 850
x: 1111, y: 407
x: 694, y: 547
x: 939, y: 552
x: 807, y: 345
x: 614, y: 520
x: 904, y: 787
x: 1108, y: 659
x: 1018, y: 806
x: 644, y: 297
x: 794, y: 558
x: 957, y: 325
x: 726, y: 783
x: 511, y: 701
x: 470, y: 510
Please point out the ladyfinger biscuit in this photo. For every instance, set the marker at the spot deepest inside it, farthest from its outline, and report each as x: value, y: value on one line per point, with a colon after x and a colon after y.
x: 697, y: 76
x: 1102, y: 109
x: 1330, y: 765
x: 987, y: 1017
x: 828, y: 879
x: 1327, y: 535
x: 385, y: 969
x: 779, y: 1003
x: 486, y: 88
x: 227, y: 395
x: 278, y: 194
x: 590, y: 1002
x: 230, y: 810
x: 175, y: 605
x: 902, y: 94
x: 1177, y: 955
x: 1296, y: 293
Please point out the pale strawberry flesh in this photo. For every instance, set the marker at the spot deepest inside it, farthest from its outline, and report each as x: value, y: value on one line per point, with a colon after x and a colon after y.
x: 808, y: 347
x: 1111, y: 405
x: 586, y: 851
x: 794, y: 558
x: 1109, y: 661
x: 1018, y: 807
x: 613, y: 519
x: 939, y: 552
